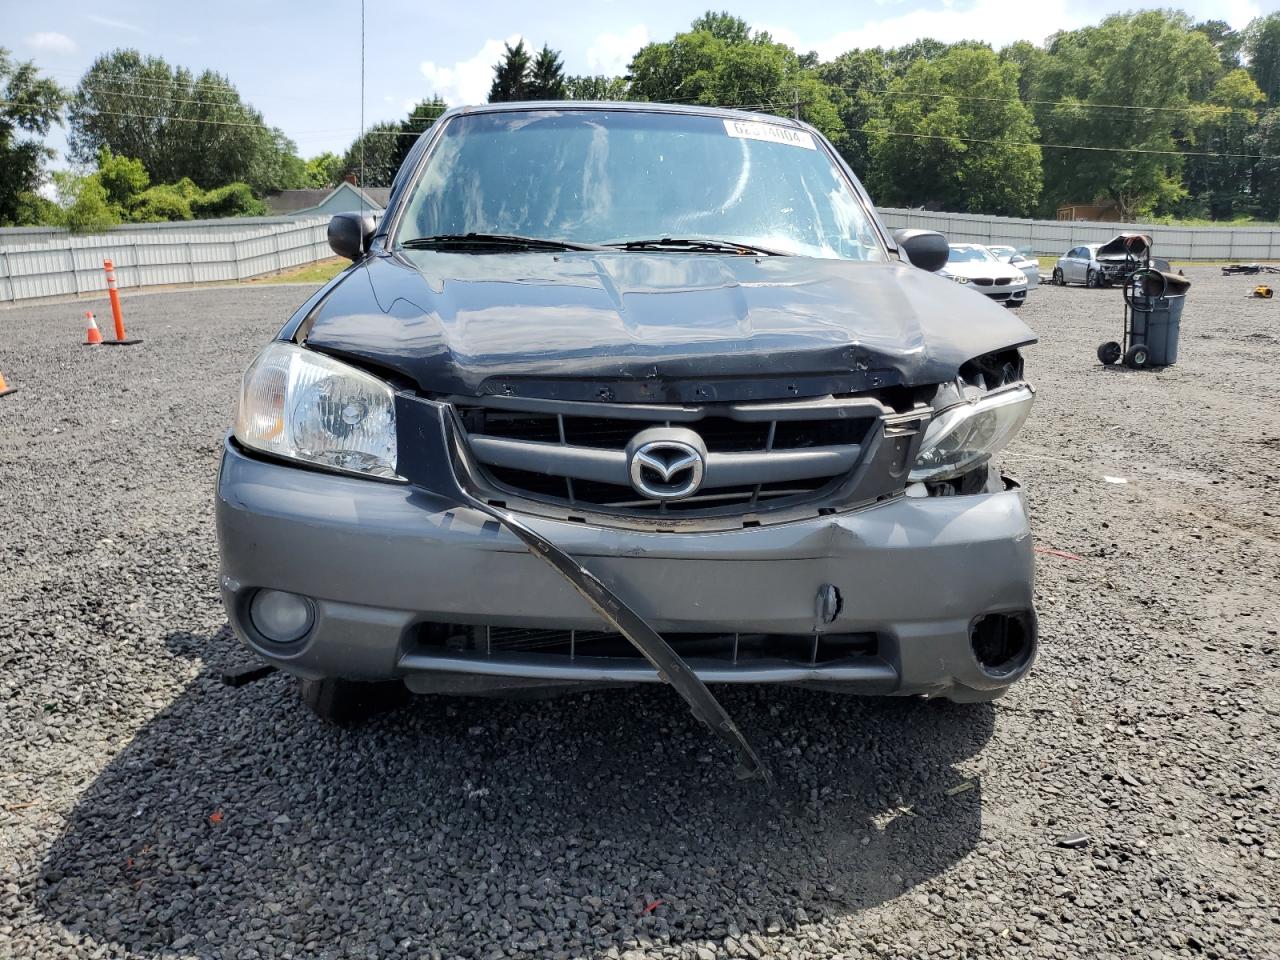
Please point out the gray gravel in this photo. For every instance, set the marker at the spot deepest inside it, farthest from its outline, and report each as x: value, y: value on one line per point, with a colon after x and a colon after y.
x: 146, y: 810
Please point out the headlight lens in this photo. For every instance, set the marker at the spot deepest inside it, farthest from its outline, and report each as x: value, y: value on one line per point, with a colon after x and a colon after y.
x: 964, y: 436
x: 303, y: 405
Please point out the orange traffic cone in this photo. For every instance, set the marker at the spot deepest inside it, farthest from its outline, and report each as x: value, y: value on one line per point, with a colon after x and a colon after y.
x: 93, y: 335
x: 5, y: 389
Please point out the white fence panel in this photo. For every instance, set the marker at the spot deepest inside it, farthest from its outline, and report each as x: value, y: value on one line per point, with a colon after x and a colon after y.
x: 41, y: 262
x: 1055, y: 237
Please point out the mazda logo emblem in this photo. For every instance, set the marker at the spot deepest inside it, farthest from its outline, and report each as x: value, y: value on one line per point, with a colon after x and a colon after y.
x: 666, y: 463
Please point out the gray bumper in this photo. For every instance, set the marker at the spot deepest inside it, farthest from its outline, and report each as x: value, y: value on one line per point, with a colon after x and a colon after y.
x: 380, y: 560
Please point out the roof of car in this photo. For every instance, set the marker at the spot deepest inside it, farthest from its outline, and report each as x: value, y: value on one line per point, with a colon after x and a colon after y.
x: 631, y: 106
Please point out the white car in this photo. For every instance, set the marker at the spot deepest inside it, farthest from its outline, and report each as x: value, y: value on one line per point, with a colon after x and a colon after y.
x: 1026, y: 262
x: 975, y: 266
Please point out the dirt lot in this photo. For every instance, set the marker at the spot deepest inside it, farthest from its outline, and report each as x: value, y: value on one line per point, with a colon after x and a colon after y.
x: 148, y: 810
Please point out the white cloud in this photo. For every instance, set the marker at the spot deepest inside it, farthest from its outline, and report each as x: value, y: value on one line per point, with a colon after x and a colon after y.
x: 611, y: 53
x: 51, y: 42
x: 467, y: 81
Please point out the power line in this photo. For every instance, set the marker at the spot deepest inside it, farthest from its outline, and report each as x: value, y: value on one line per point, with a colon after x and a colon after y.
x: 195, y: 84
x: 1077, y: 104
x: 741, y: 106
x: 1065, y: 146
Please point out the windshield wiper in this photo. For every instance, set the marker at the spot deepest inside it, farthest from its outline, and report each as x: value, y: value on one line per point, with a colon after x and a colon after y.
x: 493, y: 241
x: 698, y: 244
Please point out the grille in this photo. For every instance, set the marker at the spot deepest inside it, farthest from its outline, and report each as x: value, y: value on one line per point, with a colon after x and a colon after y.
x: 724, y: 647
x: 575, y: 454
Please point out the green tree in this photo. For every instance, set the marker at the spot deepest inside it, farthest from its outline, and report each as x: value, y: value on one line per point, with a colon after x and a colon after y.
x: 233, y: 200
x: 422, y: 115
x: 1147, y: 59
x: 546, y: 76
x: 598, y: 87
x: 954, y: 150
x: 1218, y: 186
x: 1225, y: 40
x: 373, y: 157
x: 122, y: 177
x: 721, y: 62
x: 177, y: 123
x: 1262, y: 44
x: 323, y: 170
x: 85, y: 207
x: 857, y: 80
x: 29, y: 104
x: 1029, y: 60
x: 1265, y: 141
x: 510, y: 75
x: 723, y: 26
x: 162, y: 203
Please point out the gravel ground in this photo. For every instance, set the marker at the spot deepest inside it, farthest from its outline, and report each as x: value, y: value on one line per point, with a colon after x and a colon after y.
x: 147, y: 810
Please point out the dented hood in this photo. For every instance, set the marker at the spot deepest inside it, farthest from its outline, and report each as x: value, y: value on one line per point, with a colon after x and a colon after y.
x: 663, y: 327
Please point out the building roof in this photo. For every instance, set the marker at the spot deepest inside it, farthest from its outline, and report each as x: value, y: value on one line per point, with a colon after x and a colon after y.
x: 285, y: 202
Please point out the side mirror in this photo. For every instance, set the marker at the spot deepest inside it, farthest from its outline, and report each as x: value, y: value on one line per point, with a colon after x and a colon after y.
x: 926, y: 249
x: 349, y: 234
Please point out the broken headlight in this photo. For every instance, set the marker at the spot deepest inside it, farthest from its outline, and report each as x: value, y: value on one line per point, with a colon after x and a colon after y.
x: 302, y: 405
x: 965, y: 436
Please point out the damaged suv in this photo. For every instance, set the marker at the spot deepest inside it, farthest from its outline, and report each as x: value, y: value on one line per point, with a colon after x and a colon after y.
x: 619, y: 393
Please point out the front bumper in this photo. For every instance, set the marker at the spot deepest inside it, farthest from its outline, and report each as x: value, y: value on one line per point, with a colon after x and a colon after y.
x: 382, y: 562
x: 1004, y: 294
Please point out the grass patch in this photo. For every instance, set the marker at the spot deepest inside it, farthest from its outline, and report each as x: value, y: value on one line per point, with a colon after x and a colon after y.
x: 322, y: 271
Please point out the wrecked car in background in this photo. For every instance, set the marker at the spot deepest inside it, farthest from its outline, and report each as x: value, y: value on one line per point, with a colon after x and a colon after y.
x: 1106, y: 264
x: 601, y: 360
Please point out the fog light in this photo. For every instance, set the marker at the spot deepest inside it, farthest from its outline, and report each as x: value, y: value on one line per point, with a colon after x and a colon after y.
x: 280, y: 617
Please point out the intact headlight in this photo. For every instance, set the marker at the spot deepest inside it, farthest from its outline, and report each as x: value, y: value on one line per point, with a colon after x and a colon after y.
x: 303, y: 405
x: 964, y: 436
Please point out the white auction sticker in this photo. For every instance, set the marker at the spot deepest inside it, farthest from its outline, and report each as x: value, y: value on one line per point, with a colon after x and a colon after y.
x: 770, y: 132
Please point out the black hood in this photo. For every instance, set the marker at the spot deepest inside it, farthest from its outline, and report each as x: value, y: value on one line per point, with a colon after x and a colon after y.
x: 662, y: 327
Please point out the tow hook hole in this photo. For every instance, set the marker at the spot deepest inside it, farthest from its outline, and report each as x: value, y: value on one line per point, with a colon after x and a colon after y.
x: 1001, y: 642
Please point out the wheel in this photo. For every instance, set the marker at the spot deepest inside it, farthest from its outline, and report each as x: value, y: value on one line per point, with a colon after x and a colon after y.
x: 347, y: 702
x: 1058, y: 279
x: 1109, y: 352
x: 1091, y: 279
x: 1137, y: 356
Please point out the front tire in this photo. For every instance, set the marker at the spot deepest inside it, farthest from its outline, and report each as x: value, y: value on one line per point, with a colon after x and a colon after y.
x: 348, y: 702
x: 1058, y: 279
x: 1109, y: 352
x: 1137, y: 356
x: 1091, y: 279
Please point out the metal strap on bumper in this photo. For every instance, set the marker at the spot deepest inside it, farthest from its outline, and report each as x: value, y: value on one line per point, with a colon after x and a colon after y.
x: 670, y: 666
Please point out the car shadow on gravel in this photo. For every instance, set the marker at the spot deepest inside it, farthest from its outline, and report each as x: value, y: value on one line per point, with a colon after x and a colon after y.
x: 234, y: 820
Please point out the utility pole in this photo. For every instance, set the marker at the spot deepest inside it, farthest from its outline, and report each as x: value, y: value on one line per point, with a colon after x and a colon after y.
x: 795, y: 103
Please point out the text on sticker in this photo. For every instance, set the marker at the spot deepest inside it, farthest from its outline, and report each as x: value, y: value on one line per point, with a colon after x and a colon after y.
x: 769, y: 132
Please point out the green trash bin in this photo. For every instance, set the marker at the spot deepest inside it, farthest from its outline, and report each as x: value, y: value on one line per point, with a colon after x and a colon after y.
x: 1155, y: 300
x: 1156, y: 321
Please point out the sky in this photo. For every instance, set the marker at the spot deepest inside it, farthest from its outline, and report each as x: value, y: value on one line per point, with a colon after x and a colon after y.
x: 299, y: 63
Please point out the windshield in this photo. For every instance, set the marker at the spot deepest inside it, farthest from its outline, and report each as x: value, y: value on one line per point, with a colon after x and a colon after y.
x: 999, y: 252
x: 969, y: 254
x: 599, y: 176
